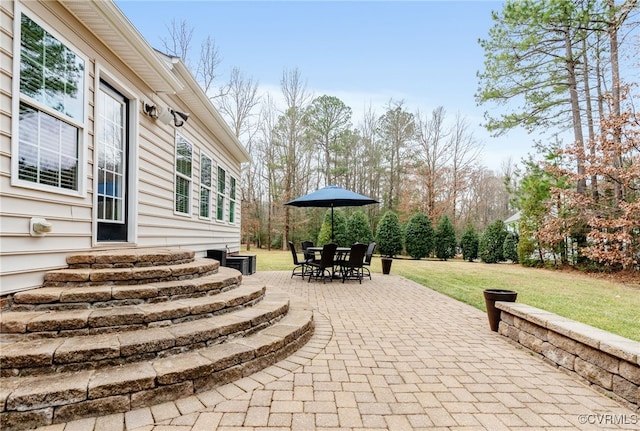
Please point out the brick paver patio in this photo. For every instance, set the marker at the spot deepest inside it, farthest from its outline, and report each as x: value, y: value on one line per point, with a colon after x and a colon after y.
x: 387, y: 354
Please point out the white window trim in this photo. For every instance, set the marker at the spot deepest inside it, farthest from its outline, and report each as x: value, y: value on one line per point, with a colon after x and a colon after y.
x: 132, y: 183
x: 82, y: 125
x: 209, y: 187
x: 190, y: 179
x: 234, y: 200
x: 223, y: 194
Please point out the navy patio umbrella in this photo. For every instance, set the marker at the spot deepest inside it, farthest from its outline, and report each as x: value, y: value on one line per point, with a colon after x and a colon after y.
x: 331, y: 197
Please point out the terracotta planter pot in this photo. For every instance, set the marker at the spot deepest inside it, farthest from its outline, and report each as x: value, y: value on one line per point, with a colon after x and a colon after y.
x: 386, y: 264
x: 490, y: 298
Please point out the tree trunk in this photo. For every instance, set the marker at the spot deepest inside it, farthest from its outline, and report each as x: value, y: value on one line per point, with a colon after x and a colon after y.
x: 575, y: 111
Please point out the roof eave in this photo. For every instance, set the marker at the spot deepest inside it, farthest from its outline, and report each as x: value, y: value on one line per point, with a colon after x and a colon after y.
x: 113, y: 28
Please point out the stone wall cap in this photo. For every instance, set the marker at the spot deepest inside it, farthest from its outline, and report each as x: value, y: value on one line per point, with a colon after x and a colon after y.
x: 615, y: 345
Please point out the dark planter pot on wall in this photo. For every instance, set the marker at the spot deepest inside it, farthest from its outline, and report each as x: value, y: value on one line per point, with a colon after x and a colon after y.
x: 491, y: 296
x: 386, y: 264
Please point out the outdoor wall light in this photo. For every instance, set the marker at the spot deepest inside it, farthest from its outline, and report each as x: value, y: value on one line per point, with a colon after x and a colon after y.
x: 166, y: 116
x: 179, y: 118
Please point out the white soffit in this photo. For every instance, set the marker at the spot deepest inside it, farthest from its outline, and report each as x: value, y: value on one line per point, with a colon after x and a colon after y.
x: 107, y: 22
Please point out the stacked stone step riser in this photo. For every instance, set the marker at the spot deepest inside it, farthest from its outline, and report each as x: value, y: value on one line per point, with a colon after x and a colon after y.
x: 73, y: 354
x: 156, y: 330
x: 21, y: 326
x: 31, y: 402
x: 103, y: 296
x: 135, y: 275
x: 129, y: 258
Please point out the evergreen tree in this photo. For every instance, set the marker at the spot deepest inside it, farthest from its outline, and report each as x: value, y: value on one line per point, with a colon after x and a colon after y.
x: 339, y: 229
x: 510, y: 247
x: 445, y: 239
x: 389, y: 235
x: 419, y: 236
x: 469, y: 244
x: 358, y: 228
x: 492, y: 242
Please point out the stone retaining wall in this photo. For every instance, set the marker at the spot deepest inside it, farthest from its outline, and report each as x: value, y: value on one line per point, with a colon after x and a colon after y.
x: 607, y: 361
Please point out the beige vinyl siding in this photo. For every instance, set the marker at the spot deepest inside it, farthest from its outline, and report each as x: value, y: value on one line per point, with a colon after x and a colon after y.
x: 25, y: 258
x: 156, y: 198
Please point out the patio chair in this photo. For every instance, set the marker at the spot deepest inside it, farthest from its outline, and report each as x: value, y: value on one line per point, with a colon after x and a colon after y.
x: 367, y: 258
x: 300, y: 267
x: 319, y: 269
x: 308, y: 255
x: 352, y: 268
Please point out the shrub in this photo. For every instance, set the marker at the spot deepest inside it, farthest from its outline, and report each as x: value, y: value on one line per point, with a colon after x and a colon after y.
x: 510, y: 247
x: 469, y: 244
x: 389, y: 235
x: 339, y: 229
x: 492, y: 242
x: 358, y: 228
x: 418, y: 240
x: 445, y: 239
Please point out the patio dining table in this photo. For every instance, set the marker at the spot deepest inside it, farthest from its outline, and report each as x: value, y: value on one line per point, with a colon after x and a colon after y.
x: 342, y: 254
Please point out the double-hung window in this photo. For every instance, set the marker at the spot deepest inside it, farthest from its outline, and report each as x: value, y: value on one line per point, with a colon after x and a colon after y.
x: 51, y: 115
x: 205, y: 186
x: 222, y: 185
x: 184, y: 166
x: 232, y: 200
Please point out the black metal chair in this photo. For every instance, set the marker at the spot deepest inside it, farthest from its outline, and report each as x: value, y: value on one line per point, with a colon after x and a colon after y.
x: 367, y: 258
x: 300, y: 267
x: 319, y: 269
x: 352, y: 268
x: 309, y: 256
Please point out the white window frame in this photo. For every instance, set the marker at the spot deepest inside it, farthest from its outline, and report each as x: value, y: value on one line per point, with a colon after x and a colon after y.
x: 183, y: 176
x: 233, y: 201
x: 81, y: 124
x: 203, y: 186
x: 221, y: 194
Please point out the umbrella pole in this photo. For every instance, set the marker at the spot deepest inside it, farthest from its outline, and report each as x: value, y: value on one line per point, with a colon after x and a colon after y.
x: 333, y: 234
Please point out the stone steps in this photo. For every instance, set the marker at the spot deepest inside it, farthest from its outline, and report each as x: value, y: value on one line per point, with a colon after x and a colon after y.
x: 110, y: 295
x: 36, y: 401
x: 123, y: 329
x: 54, y: 355
x: 132, y: 275
x: 77, y: 322
x: 136, y: 257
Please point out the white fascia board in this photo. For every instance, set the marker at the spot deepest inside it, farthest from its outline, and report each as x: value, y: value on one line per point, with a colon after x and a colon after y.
x: 107, y: 22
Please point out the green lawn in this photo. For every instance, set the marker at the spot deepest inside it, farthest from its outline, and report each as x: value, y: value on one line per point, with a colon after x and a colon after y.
x: 612, y: 306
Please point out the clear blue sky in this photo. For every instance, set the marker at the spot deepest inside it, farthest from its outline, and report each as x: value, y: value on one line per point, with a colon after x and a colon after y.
x: 423, y: 52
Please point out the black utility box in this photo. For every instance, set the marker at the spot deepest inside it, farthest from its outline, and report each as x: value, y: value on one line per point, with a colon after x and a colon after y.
x: 219, y: 255
x: 245, y: 263
x: 241, y: 263
x: 252, y: 262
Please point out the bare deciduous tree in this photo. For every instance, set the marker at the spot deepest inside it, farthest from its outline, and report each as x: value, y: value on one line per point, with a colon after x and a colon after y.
x: 178, y: 43
x: 208, y: 63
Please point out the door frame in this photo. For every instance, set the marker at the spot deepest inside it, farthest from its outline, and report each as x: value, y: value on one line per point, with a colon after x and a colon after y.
x: 132, y: 119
